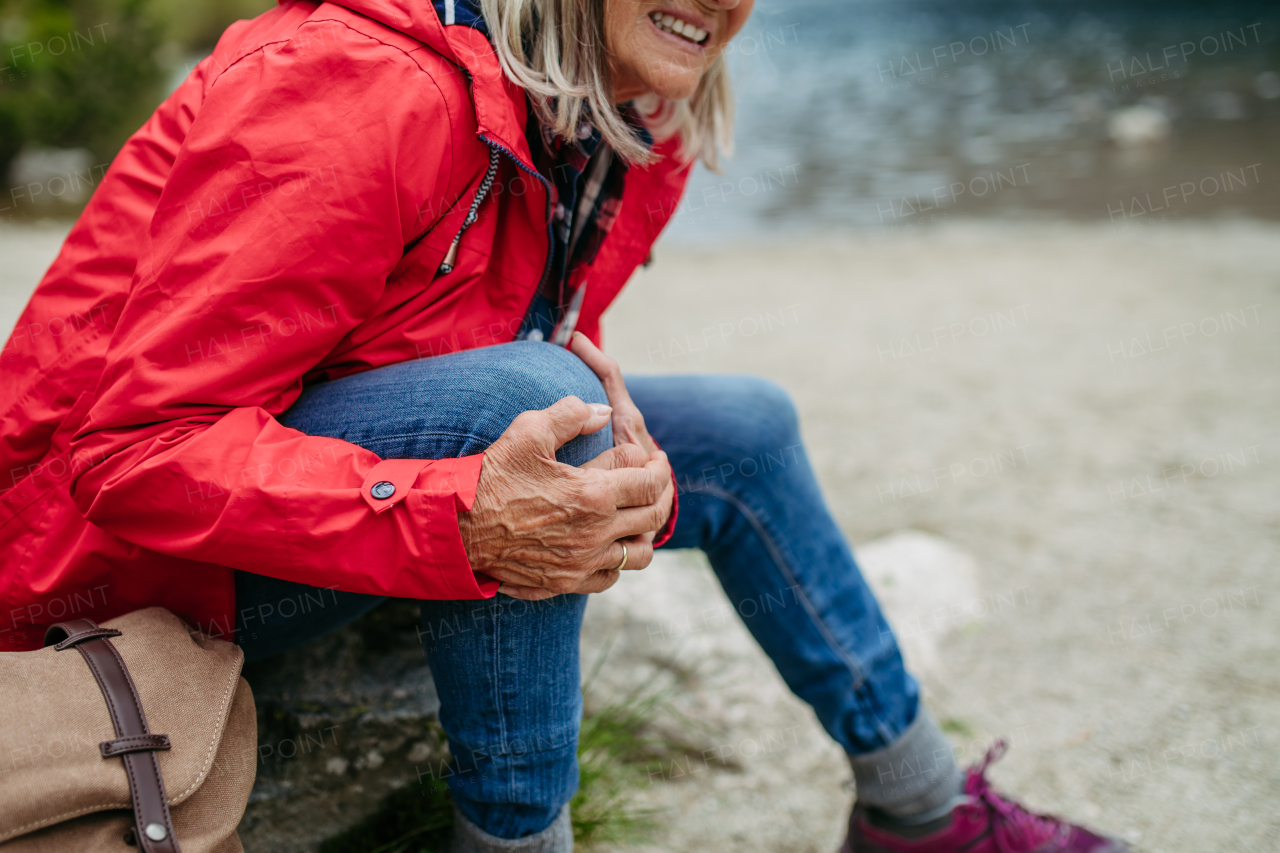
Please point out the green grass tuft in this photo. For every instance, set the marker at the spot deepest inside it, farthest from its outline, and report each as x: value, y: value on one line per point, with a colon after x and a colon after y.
x: 618, y: 744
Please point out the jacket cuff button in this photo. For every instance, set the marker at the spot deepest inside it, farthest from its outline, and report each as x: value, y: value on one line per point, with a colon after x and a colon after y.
x: 383, y: 490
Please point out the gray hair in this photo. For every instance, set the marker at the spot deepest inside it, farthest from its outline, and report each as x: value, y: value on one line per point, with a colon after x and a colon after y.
x: 555, y: 50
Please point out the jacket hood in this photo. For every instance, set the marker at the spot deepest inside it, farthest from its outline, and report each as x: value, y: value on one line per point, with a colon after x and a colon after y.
x: 499, y: 103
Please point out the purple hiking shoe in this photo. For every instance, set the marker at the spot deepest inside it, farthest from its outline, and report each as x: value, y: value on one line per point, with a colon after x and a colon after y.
x: 987, y: 823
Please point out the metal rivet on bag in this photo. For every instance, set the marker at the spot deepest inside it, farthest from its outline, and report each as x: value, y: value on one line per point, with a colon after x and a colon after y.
x: 156, y: 832
x: 383, y: 490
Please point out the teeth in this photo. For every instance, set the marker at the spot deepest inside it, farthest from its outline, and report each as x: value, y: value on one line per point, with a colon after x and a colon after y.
x: 672, y: 24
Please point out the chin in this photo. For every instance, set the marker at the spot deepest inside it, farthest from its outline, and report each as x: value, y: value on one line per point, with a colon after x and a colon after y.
x: 675, y: 85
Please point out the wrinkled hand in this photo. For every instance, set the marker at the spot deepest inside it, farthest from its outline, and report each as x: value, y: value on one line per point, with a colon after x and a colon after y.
x: 628, y: 422
x: 542, y: 528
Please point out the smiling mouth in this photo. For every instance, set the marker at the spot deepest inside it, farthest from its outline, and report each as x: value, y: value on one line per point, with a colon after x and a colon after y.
x: 675, y: 26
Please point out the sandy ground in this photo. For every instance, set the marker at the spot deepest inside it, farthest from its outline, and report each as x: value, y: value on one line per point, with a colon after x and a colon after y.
x: 1057, y: 446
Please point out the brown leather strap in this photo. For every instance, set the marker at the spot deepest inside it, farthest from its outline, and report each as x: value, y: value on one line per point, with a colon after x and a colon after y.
x: 81, y: 636
x: 154, y: 825
x: 136, y: 743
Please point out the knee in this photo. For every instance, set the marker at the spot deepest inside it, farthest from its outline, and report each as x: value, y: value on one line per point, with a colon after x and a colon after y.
x: 531, y: 375
x: 494, y: 385
x: 535, y: 375
x: 755, y: 417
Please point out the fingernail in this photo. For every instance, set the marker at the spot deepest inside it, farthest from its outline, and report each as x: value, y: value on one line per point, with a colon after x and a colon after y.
x: 600, y: 409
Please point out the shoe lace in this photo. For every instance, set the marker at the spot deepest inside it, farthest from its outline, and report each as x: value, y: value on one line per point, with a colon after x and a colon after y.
x: 1016, y: 829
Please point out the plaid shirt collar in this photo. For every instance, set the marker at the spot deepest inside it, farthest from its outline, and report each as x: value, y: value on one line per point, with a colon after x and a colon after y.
x: 585, y: 179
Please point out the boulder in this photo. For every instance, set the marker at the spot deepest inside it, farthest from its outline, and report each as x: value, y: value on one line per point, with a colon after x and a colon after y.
x: 342, y: 723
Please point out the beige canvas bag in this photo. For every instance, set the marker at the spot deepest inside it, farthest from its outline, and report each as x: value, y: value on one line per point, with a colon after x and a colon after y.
x: 136, y: 735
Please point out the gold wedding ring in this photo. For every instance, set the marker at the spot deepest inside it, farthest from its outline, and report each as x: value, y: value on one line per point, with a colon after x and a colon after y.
x: 624, y: 557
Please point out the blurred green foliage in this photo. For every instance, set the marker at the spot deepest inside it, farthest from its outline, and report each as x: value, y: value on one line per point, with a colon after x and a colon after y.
x: 196, y: 25
x: 77, y: 73
x: 87, y: 73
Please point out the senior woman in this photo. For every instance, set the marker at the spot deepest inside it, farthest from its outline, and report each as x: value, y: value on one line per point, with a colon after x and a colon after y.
x: 326, y: 334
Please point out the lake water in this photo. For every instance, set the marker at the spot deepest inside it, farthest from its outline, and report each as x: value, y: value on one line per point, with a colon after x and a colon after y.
x: 884, y: 114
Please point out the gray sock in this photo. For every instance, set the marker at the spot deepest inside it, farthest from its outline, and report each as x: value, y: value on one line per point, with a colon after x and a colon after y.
x: 914, y: 779
x: 469, y: 838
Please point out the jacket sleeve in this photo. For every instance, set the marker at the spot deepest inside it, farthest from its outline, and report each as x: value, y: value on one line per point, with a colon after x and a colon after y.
x: 289, y: 203
x: 667, y: 530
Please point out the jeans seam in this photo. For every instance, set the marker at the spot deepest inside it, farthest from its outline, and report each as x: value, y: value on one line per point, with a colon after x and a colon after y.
x: 435, y: 434
x: 499, y: 702
x: 851, y: 660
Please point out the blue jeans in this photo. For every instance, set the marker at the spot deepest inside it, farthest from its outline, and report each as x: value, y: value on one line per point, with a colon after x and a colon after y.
x: 507, y: 671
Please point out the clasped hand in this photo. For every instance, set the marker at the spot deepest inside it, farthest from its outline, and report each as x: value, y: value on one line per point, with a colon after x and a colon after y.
x: 543, y: 528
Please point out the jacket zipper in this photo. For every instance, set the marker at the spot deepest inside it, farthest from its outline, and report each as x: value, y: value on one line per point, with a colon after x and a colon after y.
x: 451, y: 257
x: 546, y: 186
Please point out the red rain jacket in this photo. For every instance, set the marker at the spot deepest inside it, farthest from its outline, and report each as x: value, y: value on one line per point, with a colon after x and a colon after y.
x: 279, y: 221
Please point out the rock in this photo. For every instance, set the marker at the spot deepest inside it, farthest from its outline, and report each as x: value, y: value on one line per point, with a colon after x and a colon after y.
x: 342, y: 723
x: 1139, y: 125
x: 760, y: 741
x: 1225, y: 106
x: 673, y: 624
x: 349, y: 719
x: 1267, y: 85
x: 927, y: 588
